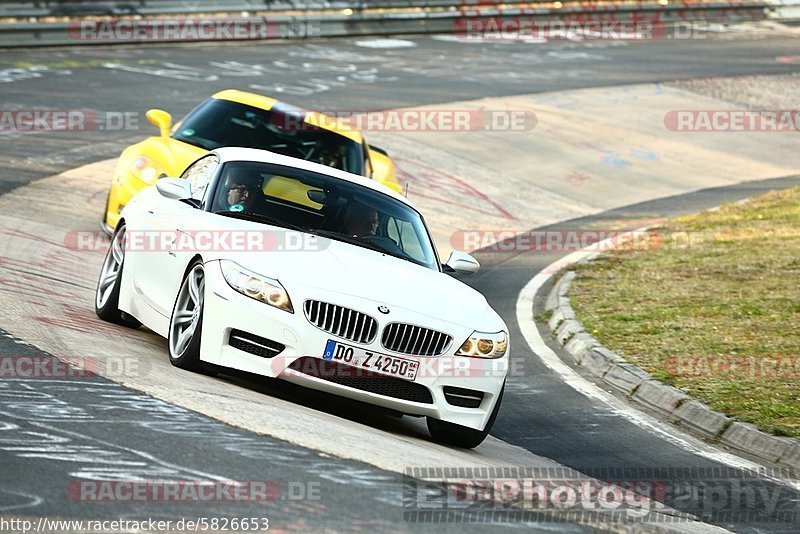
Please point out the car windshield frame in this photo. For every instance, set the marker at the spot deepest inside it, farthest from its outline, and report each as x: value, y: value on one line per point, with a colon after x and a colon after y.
x: 282, y: 131
x: 339, y: 195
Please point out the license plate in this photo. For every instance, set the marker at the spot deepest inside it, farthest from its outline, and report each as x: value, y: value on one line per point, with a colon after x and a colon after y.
x: 365, y: 359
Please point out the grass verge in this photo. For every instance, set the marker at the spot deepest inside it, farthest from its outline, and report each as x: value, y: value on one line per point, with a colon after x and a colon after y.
x: 711, y: 305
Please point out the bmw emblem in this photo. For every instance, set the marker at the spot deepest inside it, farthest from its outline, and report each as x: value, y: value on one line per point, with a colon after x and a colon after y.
x: 383, y: 309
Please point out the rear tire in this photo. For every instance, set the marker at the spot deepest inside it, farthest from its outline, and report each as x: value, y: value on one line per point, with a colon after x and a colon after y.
x: 106, y: 299
x: 186, y: 323
x: 464, y: 437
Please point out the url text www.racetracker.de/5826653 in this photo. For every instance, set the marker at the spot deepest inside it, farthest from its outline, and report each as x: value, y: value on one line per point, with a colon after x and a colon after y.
x: 196, y: 524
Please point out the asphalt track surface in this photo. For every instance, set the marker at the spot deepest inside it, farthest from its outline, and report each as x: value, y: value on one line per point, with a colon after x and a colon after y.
x: 539, y: 412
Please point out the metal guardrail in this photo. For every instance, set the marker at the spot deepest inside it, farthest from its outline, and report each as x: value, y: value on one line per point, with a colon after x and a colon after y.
x: 337, y: 23
x: 50, y: 8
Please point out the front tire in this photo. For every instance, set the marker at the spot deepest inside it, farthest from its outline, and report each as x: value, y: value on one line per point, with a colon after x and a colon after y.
x: 461, y: 436
x: 186, y: 323
x: 106, y: 299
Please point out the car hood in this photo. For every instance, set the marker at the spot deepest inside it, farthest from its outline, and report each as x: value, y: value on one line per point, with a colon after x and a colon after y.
x: 182, y: 154
x: 171, y: 155
x: 352, y: 270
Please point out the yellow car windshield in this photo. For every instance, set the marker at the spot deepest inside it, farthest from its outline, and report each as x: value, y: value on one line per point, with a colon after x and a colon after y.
x: 217, y: 123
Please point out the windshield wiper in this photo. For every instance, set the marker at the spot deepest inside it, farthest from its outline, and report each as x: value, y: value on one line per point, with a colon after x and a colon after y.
x: 256, y: 217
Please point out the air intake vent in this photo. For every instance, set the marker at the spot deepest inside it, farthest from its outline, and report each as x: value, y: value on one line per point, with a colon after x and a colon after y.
x: 465, y: 398
x: 416, y: 340
x: 260, y: 346
x: 358, y: 378
x: 341, y: 322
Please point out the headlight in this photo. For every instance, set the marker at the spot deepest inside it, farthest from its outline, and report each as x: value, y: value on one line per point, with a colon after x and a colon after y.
x: 483, y: 345
x: 255, y: 286
x: 145, y: 169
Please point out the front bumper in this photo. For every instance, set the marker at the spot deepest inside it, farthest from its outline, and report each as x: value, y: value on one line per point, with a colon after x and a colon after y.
x: 226, y: 311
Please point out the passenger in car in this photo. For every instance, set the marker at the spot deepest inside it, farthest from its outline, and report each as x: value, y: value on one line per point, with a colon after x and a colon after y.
x: 360, y: 220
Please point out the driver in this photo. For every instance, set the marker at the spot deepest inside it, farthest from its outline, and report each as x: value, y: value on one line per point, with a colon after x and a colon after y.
x: 243, y: 187
x: 360, y: 220
x: 330, y: 156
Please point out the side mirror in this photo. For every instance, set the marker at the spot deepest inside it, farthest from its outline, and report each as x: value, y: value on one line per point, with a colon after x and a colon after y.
x: 461, y: 262
x: 174, y: 188
x: 160, y: 119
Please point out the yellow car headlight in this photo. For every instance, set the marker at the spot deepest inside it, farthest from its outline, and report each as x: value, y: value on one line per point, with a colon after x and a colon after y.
x: 484, y: 345
x: 256, y: 286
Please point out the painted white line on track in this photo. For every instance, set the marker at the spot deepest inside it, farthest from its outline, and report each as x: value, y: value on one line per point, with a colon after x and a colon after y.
x: 34, y: 500
x: 590, y: 390
x: 386, y: 43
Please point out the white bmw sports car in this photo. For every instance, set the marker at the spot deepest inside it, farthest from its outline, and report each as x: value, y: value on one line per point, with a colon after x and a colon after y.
x: 290, y: 269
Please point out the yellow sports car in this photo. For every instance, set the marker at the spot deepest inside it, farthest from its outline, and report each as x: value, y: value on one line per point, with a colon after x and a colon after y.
x: 237, y: 118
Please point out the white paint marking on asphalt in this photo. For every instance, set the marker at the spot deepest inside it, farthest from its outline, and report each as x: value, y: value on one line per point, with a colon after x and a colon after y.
x: 386, y: 43
x: 587, y: 388
x: 142, y: 454
x: 34, y: 500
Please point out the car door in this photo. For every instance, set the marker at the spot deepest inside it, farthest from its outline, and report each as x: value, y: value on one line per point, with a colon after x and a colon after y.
x: 172, y: 219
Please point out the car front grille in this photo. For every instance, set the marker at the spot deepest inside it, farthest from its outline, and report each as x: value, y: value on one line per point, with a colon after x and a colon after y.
x: 357, y: 378
x: 465, y: 398
x: 340, y: 321
x: 260, y: 346
x: 412, y: 339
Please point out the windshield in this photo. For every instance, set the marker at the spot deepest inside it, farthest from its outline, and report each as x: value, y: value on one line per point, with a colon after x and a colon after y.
x: 217, y: 123
x: 325, y: 206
